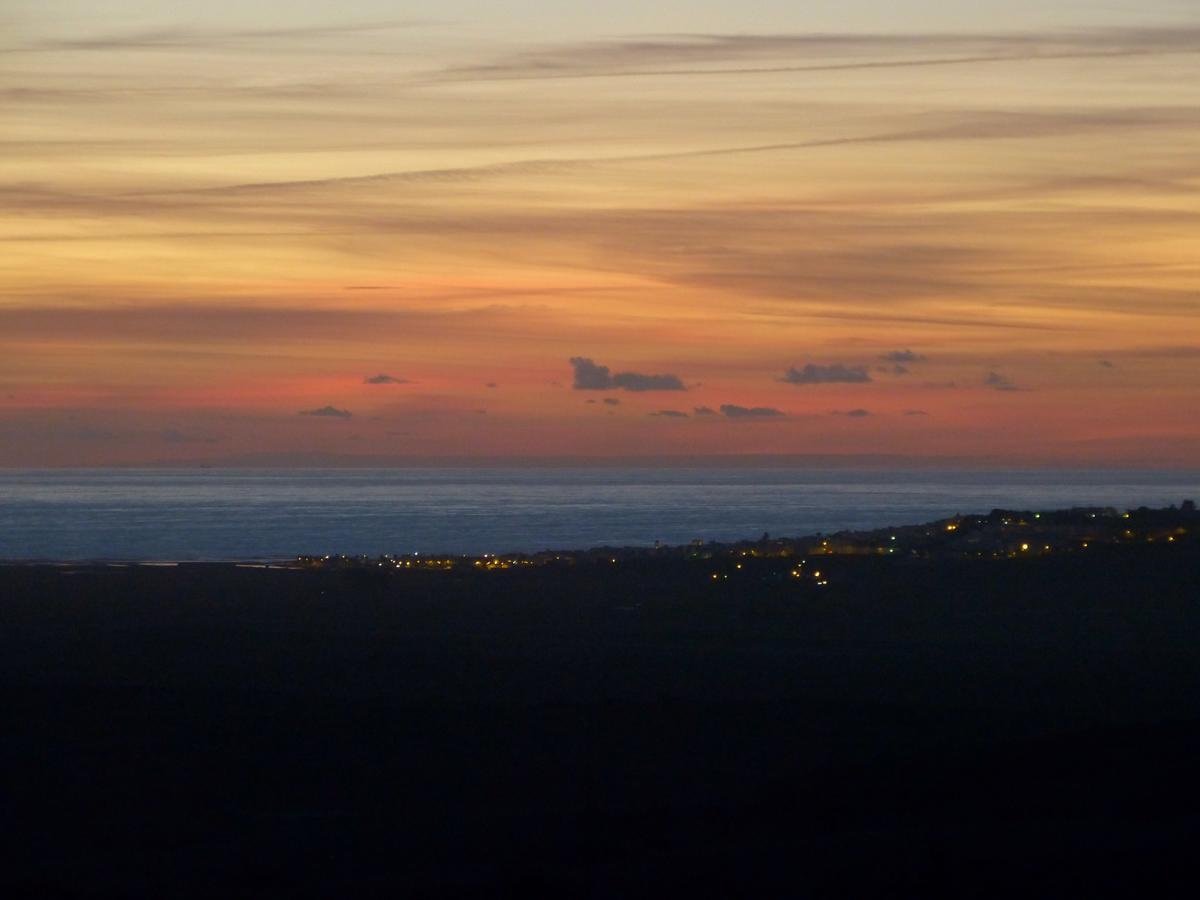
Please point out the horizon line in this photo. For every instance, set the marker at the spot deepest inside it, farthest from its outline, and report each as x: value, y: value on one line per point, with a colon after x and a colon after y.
x: 715, y: 460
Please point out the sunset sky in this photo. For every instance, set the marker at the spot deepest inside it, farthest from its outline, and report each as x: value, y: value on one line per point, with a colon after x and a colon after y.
x: 240, y: 230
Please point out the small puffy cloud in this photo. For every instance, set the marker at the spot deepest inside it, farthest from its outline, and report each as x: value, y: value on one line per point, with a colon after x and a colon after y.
x: 634, y: 381
x: 858, y: 413
x: 385, y: 379
x: 589, y: 376
x: 733, y: 411
x: 704, y: 410
x: 612, y: 401
x: 1107, y: 364
x: 670, y: 414
x: 903, y: 356
x: 999, y: 382
x: 831, y: 374
x: 491, y: 384
x: 329, y: 412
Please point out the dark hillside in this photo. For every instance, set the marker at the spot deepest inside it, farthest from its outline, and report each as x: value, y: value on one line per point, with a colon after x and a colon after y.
x: 972, y: 725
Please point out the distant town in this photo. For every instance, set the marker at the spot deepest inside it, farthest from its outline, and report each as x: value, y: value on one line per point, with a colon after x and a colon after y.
x: 1000, y: 534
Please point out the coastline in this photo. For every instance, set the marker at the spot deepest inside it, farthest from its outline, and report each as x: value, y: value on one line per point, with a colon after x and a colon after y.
x: 998, y: 533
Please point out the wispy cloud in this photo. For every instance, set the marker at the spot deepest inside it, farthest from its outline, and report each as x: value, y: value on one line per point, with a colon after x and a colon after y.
x: 684, y: 55
x: 485, y: 73
x: 969, y: 125
x: 1178, y: 351
x: 236, y: 323
x: 185, y: 37
x: 452, y: 175
x: 385, y: 379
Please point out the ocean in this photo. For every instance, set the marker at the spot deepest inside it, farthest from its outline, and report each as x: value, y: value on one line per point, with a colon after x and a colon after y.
x: 250, y: 514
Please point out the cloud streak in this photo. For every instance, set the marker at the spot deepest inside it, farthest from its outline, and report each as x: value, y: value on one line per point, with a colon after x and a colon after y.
x: 733, y: 411
x: 178, y: 38
x: 498, y: 74
x: 976, y: 125
x: 678, y: 55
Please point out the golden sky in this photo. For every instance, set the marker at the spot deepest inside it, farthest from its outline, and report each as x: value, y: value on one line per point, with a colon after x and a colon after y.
x: 758, y: 227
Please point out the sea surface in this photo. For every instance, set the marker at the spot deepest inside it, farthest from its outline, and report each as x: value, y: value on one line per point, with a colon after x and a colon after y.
x: 224, y: 514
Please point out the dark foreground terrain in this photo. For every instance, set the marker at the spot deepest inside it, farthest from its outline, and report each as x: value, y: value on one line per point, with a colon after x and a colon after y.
x: 1023, y: 726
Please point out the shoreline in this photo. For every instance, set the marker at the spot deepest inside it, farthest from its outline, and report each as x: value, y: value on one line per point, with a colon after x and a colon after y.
x: 1076, y: 528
